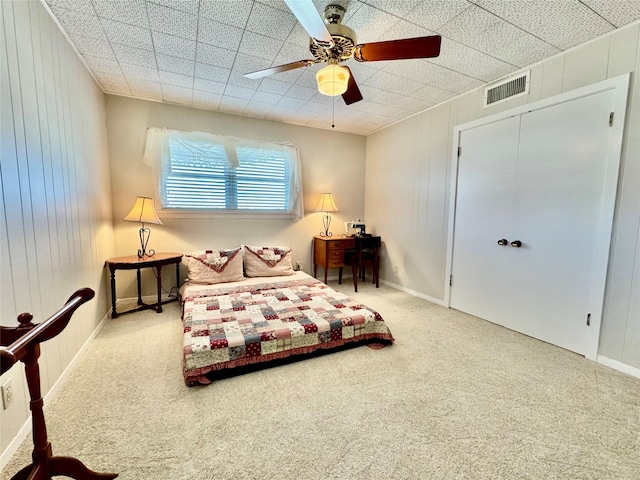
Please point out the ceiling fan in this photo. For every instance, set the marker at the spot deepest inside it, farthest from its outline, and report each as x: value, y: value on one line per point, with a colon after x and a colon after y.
x: 333, y: 43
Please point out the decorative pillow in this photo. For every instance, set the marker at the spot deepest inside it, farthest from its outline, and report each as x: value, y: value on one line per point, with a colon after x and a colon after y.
x: 267, y: 261
x: 214, y: 266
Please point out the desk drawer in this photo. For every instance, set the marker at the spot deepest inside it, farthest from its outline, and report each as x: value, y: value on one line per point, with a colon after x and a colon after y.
x: 335, y: 256
x: 335, y: 263
x: 340, y: 244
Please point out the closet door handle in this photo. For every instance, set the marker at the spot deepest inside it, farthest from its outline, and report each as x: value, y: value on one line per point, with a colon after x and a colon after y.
x: 516, y: 244
x: 502, y: 242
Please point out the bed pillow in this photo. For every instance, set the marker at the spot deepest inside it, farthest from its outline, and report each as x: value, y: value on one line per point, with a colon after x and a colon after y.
x: 214, y: 266
x: 267, y: 261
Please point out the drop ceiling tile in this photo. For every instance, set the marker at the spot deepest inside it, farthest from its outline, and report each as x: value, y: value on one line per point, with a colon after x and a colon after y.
x: 517, y: 47
x: 172, y: 45
x: 270, y: 21
x: 206, y: 100
x: 208, y: 86
x: 301, y: 92
x: 137, y: 72
x: 147, y: 94
x: 299, y: 37
x: 371, y: 24
x: 257, y: 109
x: 132, y: 12
x: 219, y: 34
x: 394, y: 7
x: 289, y: 102
x: 274, y: 86
x: 213, y: 55
x: 390, y: 82
x: 172, y: 22
x: 307, y: 77
x: 111, y: 78
x: 238, y: 92
x: 145, y: 86
x: 174, y: 94
x: 260, y: 46
x: 562, y: 24
x: 83, y: 6
x: 280, y: 113
x: 135, y: 56
x: 434, y: 14
x: 292, y: 53
x: 233, y: 104
x: 316, y: 107
x: 618, y: 12
x: 125, y: 34
x: 471, y: 62
x: 209, y: 72
x: 78, y: 23
x: 175, y: 64
x: 245, y: 63
x: 431, y: 95
x: 278, y: 4
x: 232, y: 13
x: 405, y: 29
x: 175, y: 79
x: 266, y: 97
x: 93, y: 46
x: 97, y: 64
x: 189, y: 6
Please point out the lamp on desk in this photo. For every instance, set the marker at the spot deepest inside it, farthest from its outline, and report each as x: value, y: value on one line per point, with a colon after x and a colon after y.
x: 143, y: 212
x: 326, y: 205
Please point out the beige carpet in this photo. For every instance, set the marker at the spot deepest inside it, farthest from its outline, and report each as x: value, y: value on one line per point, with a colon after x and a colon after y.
x: 454, y: 397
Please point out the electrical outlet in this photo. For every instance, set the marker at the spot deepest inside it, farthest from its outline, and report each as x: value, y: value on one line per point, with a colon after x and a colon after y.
x: 395, y: 270
x: 7, y: 394
x: 298, y: 265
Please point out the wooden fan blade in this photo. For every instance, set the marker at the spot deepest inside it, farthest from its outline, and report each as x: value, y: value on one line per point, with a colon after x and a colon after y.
x: 352, y: 95
x: 280, y: 68
x: 306, y: 13
x: 403, y: 49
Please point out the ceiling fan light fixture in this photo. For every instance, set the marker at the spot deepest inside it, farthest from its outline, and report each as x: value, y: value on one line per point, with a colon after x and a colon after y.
x: 333, y: 80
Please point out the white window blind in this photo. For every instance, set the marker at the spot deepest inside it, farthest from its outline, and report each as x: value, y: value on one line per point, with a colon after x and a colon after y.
x: 204, y: 172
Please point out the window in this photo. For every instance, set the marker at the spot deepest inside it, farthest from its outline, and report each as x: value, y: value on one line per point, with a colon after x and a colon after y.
x: 211, y: 173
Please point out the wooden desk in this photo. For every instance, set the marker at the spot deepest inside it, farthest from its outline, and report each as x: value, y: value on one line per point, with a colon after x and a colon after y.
x: 329, y: 252
x: 132, y: 262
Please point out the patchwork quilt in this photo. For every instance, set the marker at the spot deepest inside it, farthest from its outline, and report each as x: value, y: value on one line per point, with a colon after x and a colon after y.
x: 237, y: 324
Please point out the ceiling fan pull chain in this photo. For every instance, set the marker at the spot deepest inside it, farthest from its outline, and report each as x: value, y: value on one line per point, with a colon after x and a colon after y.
x: 333, y: 112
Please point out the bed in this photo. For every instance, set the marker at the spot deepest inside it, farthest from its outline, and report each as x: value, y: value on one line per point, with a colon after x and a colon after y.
x: 249, y: 321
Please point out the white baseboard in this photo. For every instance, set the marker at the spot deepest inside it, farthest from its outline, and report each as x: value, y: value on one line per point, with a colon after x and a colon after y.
x: 437, y: 301
x: 25, y: 431
x: 616, y: 365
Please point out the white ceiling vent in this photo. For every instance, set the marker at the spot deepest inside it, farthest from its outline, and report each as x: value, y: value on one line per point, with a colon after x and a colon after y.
x: 506, y: 89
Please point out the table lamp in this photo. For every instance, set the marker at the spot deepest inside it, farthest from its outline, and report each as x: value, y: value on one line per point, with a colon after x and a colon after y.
x: 143, y: 212
x: 326, y: 205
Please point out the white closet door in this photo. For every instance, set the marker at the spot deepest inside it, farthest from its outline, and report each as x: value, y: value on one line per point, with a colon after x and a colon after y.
x: 536, y: 178
x: 562, y: 161
x: 484, y: 215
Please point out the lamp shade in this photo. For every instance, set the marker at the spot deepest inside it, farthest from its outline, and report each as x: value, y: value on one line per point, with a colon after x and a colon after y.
x: 332, y: 80
x: 326, y: 203
x: 143, y: 211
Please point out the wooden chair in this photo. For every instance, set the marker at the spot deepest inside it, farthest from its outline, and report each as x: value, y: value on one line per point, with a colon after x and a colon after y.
x: 365, y: 254
x: 23, y: 344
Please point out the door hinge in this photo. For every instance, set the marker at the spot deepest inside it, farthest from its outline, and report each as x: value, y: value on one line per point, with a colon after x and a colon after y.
x: 459, y: 151
x: 588, y: 319
x: 451, y: 280
x: 611, y: 119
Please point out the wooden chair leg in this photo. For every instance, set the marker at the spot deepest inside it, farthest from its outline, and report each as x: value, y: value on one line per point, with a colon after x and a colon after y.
x: 355, y: 273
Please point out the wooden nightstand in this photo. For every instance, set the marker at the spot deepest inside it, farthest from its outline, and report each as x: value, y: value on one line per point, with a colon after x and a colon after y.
x: 329, y: 252
x: 132, y: 262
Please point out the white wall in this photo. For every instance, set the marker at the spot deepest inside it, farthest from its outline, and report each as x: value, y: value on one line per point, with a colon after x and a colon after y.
x: 331, y: 162
x: 55, y: 228
x: 408, y: 176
